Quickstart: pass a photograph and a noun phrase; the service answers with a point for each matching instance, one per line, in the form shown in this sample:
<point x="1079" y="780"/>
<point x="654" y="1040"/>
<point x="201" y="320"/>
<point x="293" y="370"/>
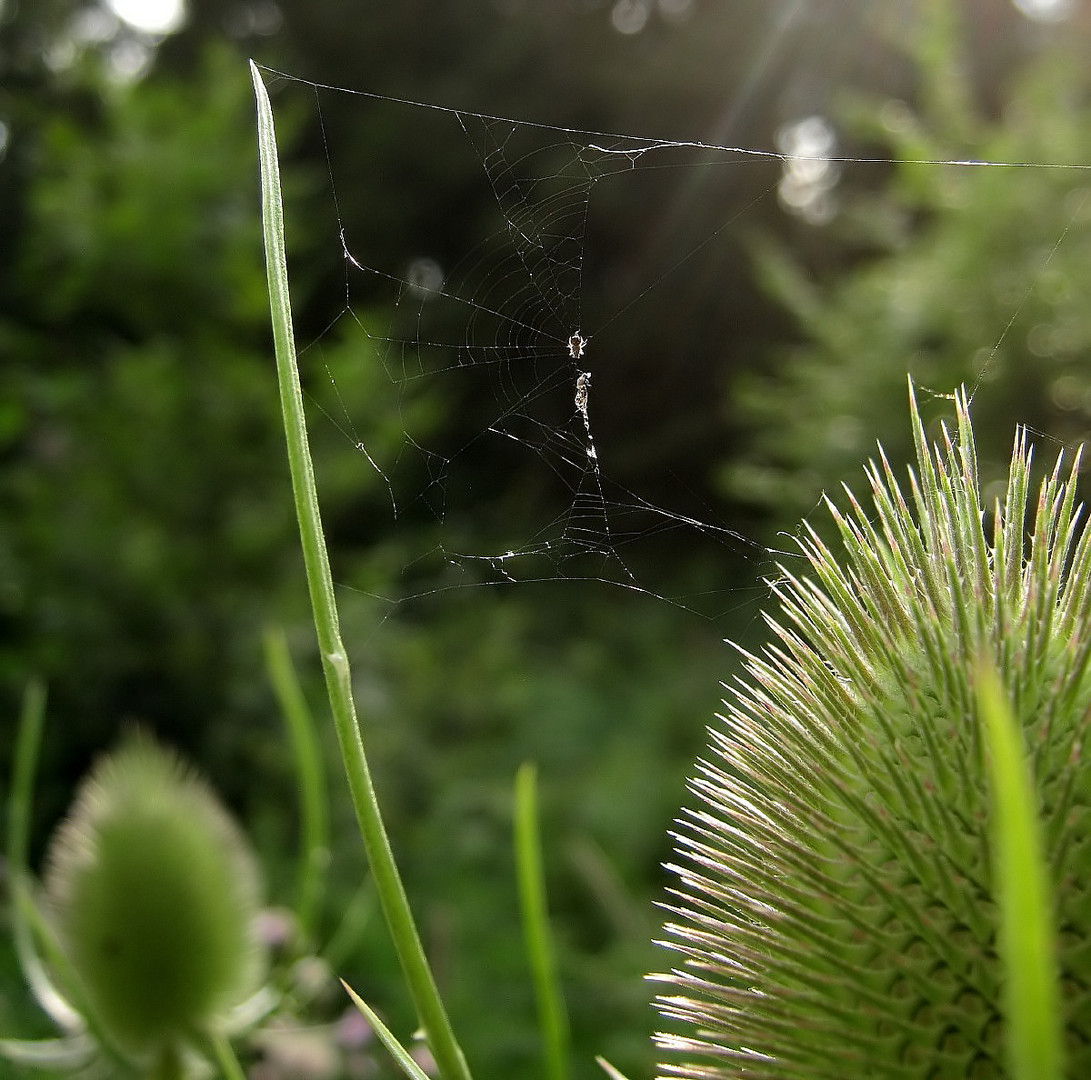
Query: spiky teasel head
<point x="154" y="896"/>
<point x="833" y="903"/>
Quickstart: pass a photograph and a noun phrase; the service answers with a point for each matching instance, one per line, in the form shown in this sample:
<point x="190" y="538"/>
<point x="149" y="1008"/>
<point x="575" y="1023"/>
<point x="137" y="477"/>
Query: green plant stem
<point x="314" y="814"/>
<point x="27" y="743"/>
<point x="224" y="1056"/>
<point x="350" y="930"/>
<point x="552" y="1018"/>
<point x="418" y="975"/>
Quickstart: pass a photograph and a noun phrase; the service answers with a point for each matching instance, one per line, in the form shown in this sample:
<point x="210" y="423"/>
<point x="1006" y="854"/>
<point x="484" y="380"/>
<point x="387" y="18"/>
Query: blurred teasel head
<point x="154" y="896"/>
<point x="834" y="910"/>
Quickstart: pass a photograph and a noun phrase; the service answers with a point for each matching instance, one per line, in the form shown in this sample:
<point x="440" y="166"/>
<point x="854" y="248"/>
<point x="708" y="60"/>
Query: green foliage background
<point x="147" y="533"/>
<point x="961" y="276"/>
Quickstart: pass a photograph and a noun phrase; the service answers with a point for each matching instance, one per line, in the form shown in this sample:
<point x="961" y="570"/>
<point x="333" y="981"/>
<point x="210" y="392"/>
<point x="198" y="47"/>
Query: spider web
<point x="512" y="335"/>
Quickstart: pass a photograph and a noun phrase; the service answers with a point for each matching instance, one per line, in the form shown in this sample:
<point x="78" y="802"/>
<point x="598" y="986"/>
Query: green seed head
<point x="154" y="893"/>
<point x="833" y="907"/>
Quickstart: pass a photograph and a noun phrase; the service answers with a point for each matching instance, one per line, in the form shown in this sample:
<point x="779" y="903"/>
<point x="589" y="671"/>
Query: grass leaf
<point x="552" y="1018"/>
<point x="335" y="663"/>
<point x="389" y="1040"/>
<point x="1021" y="883"/>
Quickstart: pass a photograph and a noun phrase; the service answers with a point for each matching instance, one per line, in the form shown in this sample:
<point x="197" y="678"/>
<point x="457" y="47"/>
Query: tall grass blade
<point x="1033" y="1028"/>
<point x="552" y="1017"/>
<point x="335" y="664"/>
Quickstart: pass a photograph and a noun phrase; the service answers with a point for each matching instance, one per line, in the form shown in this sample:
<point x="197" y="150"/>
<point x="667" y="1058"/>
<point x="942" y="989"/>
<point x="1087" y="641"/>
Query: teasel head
<point x="153" y="893"/>
<point x="834" y="910"/>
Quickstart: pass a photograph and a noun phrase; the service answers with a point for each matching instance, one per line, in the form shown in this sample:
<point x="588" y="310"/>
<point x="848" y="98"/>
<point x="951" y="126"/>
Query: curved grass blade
<point x="335" y="664"/>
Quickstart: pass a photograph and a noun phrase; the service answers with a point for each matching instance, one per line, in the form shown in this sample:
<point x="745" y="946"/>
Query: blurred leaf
<point x="1033" y="1014"/>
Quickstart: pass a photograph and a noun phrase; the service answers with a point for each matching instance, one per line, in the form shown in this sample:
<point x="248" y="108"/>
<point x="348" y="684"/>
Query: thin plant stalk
<point x="27" y="743"/>
<point x="314" y="813"/>
<point x="224" y="1056"/>
<point x="552" y="1018"/>
<point x="335" y="664"/>
<point x="24" y="915"/>
<point x="350" y="930"/>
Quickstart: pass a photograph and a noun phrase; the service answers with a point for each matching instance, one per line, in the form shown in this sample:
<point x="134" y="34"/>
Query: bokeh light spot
<point x="630" y="16"/>
<point x="1045" y="10"/>
<point x="150" y="16"/>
